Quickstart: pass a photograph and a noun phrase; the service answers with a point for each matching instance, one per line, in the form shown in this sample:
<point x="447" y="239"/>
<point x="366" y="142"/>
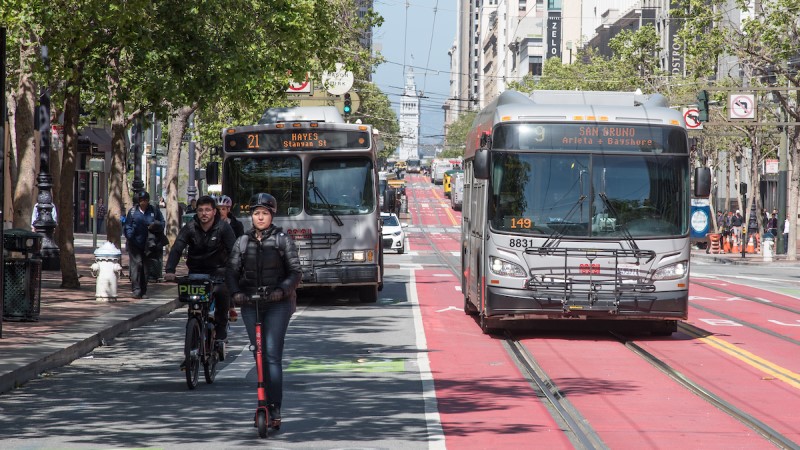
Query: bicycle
<point x="197" y="290"/>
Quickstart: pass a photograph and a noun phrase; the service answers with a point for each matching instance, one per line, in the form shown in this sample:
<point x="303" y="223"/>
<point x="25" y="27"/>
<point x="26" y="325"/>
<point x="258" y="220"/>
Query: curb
<point x="20" y="376"/>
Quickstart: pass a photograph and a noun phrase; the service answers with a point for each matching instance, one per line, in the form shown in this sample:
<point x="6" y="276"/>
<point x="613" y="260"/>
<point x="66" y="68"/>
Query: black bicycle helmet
<point x="263" y="200"/>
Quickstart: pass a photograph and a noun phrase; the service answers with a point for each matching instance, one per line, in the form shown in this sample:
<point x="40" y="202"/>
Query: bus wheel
<point x="484" y="322"/>
<point x="664" y="328"/>
<point x="469" y="308"/>
<point x="368" y="294"/>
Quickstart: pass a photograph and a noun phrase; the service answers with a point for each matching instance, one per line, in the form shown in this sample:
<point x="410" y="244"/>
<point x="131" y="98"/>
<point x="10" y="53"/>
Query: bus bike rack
<point x="603" y="286"/>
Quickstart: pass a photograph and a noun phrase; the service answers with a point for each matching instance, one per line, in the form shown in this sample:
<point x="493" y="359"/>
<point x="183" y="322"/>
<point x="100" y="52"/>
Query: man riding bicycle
<point x="210" y="241"/>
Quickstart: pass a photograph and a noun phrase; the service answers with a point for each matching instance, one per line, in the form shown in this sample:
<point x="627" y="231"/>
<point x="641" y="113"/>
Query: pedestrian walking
<point x="101" y="215"/>
<point x="736" y="224"/>
<point x="772" y="225"/>
<point x="264" y="268"/>
<point x="141" y="219"/>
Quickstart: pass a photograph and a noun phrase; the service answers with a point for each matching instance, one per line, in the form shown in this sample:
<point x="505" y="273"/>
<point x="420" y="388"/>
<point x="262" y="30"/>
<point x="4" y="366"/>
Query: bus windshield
<point x="339" y="185"/>
<point x="589" y="195"/>
<point x="276" y="175"/>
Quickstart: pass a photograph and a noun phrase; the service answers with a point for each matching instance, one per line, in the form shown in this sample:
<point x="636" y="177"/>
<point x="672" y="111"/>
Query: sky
<point x="418" y="35"/>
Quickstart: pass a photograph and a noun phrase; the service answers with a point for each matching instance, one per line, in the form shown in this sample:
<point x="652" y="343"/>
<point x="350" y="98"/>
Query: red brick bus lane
<point x="483" y="401"/>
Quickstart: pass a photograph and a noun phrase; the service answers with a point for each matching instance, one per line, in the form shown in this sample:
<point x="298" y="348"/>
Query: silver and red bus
<point x="576" y="206"/>
<point x="324" y="174"/>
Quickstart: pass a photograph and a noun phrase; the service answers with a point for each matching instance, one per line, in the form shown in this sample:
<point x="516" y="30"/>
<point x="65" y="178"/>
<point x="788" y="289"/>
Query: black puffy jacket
<point x="270" y="262"/>
<point x="208" y="250"/>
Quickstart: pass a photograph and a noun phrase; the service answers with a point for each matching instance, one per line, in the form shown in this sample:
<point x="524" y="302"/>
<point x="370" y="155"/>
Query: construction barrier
<point x="714" y="243"/>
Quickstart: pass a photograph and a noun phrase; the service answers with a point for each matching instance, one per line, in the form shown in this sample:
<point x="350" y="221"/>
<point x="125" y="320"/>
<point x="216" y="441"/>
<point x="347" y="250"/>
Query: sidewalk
<point x="749" y="258"/>
<point x="72" y="323"/>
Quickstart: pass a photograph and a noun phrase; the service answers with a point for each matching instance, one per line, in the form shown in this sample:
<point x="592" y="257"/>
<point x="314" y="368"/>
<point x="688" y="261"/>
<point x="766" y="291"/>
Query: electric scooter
<point x="262" y="419"/>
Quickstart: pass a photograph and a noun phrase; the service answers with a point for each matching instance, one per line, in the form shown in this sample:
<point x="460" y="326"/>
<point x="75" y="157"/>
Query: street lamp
<point x="44" y="222"/>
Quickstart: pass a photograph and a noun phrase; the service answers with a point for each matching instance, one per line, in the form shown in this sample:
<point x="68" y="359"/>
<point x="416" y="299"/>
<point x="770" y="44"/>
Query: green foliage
<point x="457" y="133"/>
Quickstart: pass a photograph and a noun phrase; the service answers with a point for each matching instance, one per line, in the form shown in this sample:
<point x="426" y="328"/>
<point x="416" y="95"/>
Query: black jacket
<point x="208" y="250"/>
<point x="271" y="262"/>
<point x="238" y="227"/>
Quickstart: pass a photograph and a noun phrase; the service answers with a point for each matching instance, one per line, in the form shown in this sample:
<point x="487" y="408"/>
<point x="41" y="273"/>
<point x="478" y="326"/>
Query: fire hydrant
<point x="767" y="246"/>
<point x="106" y="269"/>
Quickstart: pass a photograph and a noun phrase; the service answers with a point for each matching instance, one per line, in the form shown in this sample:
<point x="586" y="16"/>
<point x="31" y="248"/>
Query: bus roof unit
<point x="302" y="114"/>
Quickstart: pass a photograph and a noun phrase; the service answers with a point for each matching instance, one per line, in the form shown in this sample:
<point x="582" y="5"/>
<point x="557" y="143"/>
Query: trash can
<point x="22" y="275"/>
<point x="768" y="246"/>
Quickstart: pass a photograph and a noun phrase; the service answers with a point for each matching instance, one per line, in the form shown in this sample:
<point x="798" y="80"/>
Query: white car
<point x="394" y="237"/>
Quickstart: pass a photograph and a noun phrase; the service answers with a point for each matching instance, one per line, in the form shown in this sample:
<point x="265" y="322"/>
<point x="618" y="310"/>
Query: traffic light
<point x="348" y="105"/>
<point x="702" y="105"/>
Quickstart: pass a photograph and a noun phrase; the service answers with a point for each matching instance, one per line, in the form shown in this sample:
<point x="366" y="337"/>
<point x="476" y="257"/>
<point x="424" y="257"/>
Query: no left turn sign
<point x="742" y="106"/>
<point x="691" y="116"/>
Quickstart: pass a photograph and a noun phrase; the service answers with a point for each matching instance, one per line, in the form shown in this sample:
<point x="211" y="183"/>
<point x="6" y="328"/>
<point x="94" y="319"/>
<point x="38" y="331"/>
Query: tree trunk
<point x="177" y="127"/>
<point x="27" y="158"/>
<point x="116" y="184"/>
<point x="65" y="194"/>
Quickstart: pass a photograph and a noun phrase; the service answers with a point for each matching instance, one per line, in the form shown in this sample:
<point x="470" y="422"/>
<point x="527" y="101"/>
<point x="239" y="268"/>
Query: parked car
<point x="394" y="235"/>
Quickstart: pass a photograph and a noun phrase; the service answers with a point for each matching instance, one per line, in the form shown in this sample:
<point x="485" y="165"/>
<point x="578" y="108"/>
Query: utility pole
<point x="2" y="164"/>
<point x="44" y="222"/>
<point x="154" y="141"/>
<point x="191" y="189"/>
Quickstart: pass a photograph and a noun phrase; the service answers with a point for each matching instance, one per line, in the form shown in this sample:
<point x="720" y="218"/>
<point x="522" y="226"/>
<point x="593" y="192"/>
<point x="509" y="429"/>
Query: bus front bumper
<point x="362" y="274"/>
<point x="524" y="304"/>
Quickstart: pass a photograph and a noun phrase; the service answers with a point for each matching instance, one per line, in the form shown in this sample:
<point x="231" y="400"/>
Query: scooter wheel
<point x="261" y="423"/>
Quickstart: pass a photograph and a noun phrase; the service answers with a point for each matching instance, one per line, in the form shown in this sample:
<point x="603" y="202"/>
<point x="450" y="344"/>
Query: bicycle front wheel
<point x="210" y="358"/>
<point x="191" y="350"/>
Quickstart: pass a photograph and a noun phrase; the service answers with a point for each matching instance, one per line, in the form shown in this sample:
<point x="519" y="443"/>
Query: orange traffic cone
<point x="726" y="248"/>
<point x="750" y="247"/>
<point x="736" y="248"/>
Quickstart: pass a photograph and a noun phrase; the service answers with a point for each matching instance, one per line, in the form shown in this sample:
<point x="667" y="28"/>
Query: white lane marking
<point x="432" y="418"/>
<point x="449" y="308"/>
<point x="443" y="274"/>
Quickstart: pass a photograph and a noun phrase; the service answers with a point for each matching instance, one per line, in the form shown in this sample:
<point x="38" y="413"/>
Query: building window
<point x="523" y="5"/>
<point x="535" y="66"/>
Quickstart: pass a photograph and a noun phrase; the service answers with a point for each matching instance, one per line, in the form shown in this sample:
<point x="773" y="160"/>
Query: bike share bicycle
<point x="197" y="290"/>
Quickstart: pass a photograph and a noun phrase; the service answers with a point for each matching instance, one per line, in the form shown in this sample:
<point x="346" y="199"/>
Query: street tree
<point x="457" y="133"/>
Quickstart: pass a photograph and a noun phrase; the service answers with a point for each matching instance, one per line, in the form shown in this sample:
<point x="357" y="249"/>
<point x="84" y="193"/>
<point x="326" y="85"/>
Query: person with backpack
<point x="210" y="241"/>
<point x="264" y="267"/>
<point x="141" y="221"/>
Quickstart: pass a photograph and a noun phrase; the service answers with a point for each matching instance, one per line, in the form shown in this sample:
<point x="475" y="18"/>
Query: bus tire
<point x="368" y="294"/>
<point x="469" y="308"/>
<point x="664" y="328"/>
<point x="486" y="328"/>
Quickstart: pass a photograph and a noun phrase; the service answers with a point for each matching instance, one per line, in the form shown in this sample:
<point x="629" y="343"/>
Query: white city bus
<point x="576" y="206"/>
<point x="324" y="174"/>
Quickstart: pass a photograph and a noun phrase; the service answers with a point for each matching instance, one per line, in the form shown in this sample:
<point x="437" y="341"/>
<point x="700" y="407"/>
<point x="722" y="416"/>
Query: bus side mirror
<point x="480" y="165"/>
<point x="702" y="182"/>
<point x="212" y="173"/>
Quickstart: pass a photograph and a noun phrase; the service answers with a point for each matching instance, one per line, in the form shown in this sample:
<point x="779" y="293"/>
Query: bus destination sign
<point x="276" y="140"/>
<point x="590" y="137"/>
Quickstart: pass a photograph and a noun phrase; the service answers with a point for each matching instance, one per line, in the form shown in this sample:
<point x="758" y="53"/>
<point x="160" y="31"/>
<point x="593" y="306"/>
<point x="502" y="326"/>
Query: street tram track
<point x="562" y="411"/>
<point x="744" y="418"/>
<point x="571" y="420"/>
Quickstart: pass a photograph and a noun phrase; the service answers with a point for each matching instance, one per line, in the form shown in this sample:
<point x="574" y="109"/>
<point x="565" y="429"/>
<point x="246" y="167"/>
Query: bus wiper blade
<point x="327" y="204"/>
<point x="558" y="231"/>
<point x="622" y="227"/>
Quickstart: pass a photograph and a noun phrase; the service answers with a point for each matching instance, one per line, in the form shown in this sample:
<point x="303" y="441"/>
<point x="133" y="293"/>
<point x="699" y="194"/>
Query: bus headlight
<point x="672" y="271"/>
<point x="506" y="268"/>
<point x="356" y="255"/>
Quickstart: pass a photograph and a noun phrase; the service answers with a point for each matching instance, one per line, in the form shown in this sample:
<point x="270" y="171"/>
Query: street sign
<point x="300" y="88"/>
<point x="691" y="116"/>
<point x="742" y="106"/>
<point x="339" y="82"/>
